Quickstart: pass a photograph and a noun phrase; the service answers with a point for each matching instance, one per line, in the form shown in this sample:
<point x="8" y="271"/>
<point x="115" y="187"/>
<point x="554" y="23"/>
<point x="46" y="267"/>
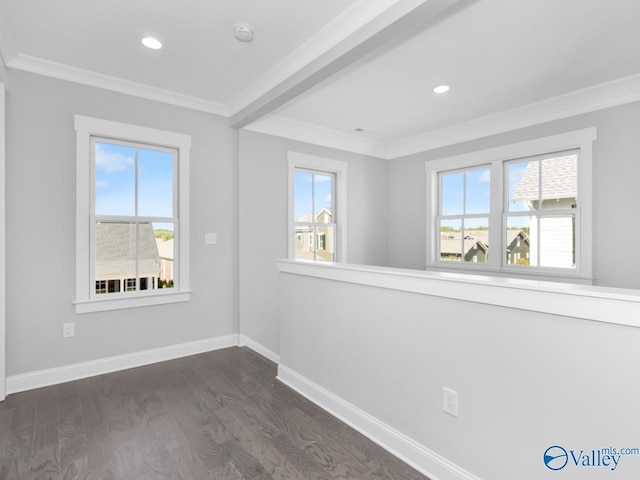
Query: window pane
<point x="304" y="242"/>
<point x="325" y="243"/>
<point x="520" y="247"/>
<point x="524" y="185"/>
<point x="451" y="192"/>
<point x="322" y="198"/>
<point x="559" y="180"/>
<point x="155" y="183"/>
<point x="302" y="197"/>
<point x="115" y="179"/>
<point x="148" y="257"/>
<point x="116" y="248"/>
<point x="451" y="240"/>
<point x="557" y="241"/>
<point x="115" y="252"/>
<point x="478" y="198"/>
<point x="164" y="235"/>
<point x="476" y="240"/>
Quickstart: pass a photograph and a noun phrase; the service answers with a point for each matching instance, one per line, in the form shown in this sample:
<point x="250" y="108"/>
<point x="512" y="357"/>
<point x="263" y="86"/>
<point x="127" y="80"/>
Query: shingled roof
<point x="116" y="250"/>
<point x="451" y="246"/>
<point x="559" y="179"/>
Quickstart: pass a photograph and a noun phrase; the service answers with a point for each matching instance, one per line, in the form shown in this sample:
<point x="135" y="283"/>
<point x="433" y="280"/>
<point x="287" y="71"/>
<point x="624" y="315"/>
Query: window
<point x="317" y="208"/>
<point x="522" y="209"/>
<point x="322" y="238"/>
<point x="131" y="214"/>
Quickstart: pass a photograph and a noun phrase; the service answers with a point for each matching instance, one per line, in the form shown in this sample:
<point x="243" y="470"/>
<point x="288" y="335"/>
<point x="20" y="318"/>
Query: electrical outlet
<point x="450" y="401"/>
<point x="68" y="329"/>
<point x="210" y="238"/>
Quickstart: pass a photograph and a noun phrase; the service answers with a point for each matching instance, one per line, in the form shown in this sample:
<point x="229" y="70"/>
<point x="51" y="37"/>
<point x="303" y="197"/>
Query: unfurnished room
<point x="337" y="239"/>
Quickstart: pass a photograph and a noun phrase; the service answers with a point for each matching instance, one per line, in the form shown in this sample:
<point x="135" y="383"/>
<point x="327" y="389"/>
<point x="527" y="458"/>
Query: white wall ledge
<point x="602" y="304"/>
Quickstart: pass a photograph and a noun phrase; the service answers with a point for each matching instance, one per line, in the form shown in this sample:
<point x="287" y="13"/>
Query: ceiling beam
<point x="357" y="32"/>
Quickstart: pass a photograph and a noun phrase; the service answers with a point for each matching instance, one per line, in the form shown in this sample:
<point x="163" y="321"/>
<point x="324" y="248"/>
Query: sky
<point x="472" y="195"/>
<point x="115" y="182"/>
<point x="311" y="193"/>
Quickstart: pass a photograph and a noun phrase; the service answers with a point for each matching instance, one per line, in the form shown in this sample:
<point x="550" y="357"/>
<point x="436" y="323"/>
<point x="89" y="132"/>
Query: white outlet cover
<point x="210" y="238"/>
<point x="68" y="329"/>
<point x="450" y="401"/>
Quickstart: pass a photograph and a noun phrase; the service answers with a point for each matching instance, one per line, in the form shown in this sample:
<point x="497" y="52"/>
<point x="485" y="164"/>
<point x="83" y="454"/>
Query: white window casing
<point x="86" y="129"/>
<point x="321" y="165"/>
<point x="496" y="158"/>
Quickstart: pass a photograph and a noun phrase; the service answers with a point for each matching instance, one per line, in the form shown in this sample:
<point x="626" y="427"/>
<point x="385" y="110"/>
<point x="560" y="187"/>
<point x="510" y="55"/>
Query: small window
<point x="317" y="210"/>
<point x="132" y="215"/>
<point x="322" y="238"/>
<point x="101" y="286"/>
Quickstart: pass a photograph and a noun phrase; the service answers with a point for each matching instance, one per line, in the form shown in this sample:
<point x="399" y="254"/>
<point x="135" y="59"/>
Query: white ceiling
<point x="318" y="70"/>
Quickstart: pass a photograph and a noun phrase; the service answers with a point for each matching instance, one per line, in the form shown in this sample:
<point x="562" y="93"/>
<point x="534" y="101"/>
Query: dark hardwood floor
<point x="219" y="415"/>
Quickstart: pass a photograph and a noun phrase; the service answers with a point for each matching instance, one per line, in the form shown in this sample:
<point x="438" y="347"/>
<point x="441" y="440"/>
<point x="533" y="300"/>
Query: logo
<point x="555" y="458"/>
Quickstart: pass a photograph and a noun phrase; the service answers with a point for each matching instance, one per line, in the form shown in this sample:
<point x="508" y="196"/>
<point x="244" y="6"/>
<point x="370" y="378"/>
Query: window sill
<point x="119" y="303"/>
<point x="603" y="304"/>
<point x="540" y="274"/>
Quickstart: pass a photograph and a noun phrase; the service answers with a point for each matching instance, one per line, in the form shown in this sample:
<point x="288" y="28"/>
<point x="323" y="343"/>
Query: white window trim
<point x="495" y="157"/>
<point x="339" y="169"/>
<point x="86" y="127"/>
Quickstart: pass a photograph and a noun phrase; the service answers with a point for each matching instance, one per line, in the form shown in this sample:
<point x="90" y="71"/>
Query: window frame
<point x="88" y="128"/>
<point x="338" y="169"/>
<point x="581" y="140"/>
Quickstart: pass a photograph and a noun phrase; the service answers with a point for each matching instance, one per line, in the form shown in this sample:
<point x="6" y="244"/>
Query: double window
<point x="132" y="215"/>
<point x="317" y="208"/>
<point x="521" y="209"/>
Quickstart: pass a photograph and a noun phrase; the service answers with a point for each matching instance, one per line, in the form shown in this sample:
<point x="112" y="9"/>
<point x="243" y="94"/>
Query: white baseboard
<point x="418" y="456"/>
<point x="67" y="373"/>
<point x="244" y="341"/>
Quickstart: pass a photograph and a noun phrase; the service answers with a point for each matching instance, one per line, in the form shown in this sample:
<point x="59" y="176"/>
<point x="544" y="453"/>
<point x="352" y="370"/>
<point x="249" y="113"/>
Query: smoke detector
<point x="243" y="32"/>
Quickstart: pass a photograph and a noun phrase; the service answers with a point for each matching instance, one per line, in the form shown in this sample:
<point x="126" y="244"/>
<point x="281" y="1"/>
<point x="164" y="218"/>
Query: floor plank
<point x="221" y="415"/>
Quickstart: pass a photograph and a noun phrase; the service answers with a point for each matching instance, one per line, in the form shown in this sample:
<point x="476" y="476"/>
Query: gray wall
<point x="41" y="228"/>
<point x="263" y="223"/>
<point x="616" y="171"/>
<point x="525" y="380"/>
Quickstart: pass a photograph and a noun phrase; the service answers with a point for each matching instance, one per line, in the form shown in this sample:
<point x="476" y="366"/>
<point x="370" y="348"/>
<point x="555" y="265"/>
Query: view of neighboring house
<point x="165" y="251"/>
<point x="318" y="237"/>
<point x="475" y="246"/>
<point x="518" y="246"/>
<point x="552" y="188"/>
<point x="116" y="257"/>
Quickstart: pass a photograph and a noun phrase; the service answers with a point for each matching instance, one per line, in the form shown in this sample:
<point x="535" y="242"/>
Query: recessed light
<point x="152" y="43"/>
<point x="441" y="89"/>
<point x="243" y="32"/>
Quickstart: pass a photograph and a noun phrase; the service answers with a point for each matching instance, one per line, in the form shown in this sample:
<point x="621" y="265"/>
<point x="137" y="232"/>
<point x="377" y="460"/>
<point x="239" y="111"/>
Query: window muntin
<point x="135" y="210"/>
<point x="558" y="215"/>
<point x="314" y="213"/>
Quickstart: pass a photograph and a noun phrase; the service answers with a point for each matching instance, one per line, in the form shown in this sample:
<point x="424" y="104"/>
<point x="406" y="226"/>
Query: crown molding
<point x="610" y="94"/>
<point x="305" y="132"/>
<point x="86" y="77"/>
<point x="605" y="95"/>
